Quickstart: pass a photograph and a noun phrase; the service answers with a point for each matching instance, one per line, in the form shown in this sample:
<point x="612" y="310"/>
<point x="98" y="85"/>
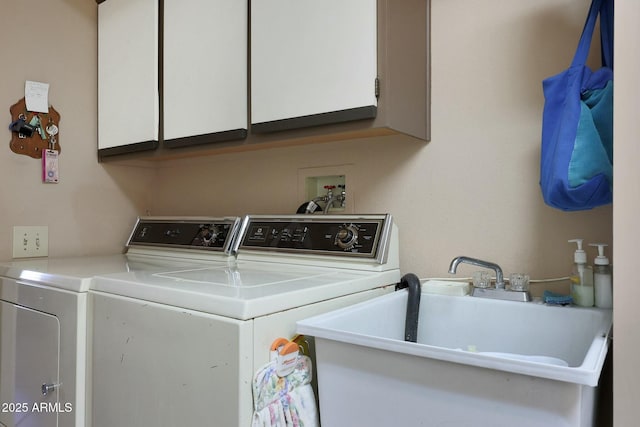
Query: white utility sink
<point x="477" y="361"/>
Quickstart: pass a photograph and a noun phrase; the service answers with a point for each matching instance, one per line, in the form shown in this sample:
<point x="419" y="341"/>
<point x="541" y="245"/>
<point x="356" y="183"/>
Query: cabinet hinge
<point x="377" y="87"/>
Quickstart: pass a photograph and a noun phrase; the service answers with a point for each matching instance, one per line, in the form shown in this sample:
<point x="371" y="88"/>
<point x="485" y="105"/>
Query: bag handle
<point x="606" y="33"/>
<point x="580" y="57"/>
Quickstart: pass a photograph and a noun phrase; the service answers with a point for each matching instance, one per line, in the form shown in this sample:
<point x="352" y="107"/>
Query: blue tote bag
<point x="576" y="165"/>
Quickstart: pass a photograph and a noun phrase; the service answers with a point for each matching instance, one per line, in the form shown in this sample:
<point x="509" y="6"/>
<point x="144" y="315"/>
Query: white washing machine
<point x="44" y="312"/>
<point x="180" y="347"/>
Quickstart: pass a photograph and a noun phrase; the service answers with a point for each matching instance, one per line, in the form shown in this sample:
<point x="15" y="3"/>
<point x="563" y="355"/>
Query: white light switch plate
<point x="30" y="241"/>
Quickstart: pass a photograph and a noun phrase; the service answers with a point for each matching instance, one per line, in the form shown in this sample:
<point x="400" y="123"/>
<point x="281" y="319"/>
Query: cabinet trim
<point x="332" y="117"/>
<point x="129" y="148"/>
<point x="209" y="138"/>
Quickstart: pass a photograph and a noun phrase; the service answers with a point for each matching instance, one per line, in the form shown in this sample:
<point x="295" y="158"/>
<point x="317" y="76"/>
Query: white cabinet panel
<point x="128" y="99"/>
<point x="205" y="70"/>
<point x="312" y="58"/>
<point x="29" y="358"/>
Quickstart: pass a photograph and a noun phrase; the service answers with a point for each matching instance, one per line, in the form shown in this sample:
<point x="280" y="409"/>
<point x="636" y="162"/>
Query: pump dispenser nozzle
<point x="581" y="277"/>
<point x="600" y="259"/>
<point x="602" y="279"/>
<point x="579" y="256"/>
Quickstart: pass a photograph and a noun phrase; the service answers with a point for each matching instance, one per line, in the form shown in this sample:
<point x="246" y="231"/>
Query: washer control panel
<point x="341" y="235"/>
<point x="194" y="233"/>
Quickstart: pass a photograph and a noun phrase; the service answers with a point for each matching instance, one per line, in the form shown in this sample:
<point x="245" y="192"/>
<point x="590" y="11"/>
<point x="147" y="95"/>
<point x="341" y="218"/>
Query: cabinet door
<point x="205" y="71"/>
<point x="29" y="358"/>
<point x="312" y="62"/>
<point x="128" y="99"/>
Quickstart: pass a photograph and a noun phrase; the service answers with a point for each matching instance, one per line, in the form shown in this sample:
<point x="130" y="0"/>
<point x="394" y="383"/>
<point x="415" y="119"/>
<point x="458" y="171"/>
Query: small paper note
<point x="36" y="96"/>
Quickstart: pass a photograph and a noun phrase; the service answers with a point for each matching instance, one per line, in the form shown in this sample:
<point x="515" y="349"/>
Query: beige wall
<point x="473" y="189"/>
<point x="93" y="206"/>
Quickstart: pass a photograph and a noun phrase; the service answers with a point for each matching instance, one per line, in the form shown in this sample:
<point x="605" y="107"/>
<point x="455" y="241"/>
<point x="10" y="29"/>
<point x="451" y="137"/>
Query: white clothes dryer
<point x="44" y="311"/>
<point x="180" y="347"/>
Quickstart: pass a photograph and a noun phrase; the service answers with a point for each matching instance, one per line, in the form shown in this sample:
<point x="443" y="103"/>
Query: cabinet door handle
<point x="48" y="388"/>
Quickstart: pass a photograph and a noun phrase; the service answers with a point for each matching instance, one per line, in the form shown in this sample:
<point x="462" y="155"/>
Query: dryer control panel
<point x="213" y="234"/>
<point x="337" y="235"/>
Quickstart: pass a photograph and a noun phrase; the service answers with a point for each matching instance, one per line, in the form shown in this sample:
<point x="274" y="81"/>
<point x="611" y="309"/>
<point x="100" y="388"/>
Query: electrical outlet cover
<point x="30" y="241"/>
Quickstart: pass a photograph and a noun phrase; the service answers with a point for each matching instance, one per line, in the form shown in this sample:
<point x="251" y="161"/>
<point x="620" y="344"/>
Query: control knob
<point x="208" y="235"/>
<point x="347" y="236"/>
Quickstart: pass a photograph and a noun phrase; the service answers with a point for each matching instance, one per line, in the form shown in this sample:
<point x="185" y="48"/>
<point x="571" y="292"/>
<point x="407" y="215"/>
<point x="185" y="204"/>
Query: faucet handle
<point x="481" y="279"/>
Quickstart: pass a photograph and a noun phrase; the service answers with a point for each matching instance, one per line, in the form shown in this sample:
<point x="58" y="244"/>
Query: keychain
<point x="37" y="124"/>
<point x="21" y="127"/>
<point x="50" y="166"/>
<point x="50" y="156"/>
<point x="52" y="131"/>
<point x="27" y="125"/>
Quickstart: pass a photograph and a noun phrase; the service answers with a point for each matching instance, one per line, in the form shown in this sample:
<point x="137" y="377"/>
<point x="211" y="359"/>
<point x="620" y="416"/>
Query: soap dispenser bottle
<point x="602" y="278"/>
<point x="581" y="278"/>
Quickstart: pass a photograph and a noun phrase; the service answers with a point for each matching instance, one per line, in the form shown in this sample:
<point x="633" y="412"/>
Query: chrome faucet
<point x="480" y="263"/>
<point x="499" y="292"/>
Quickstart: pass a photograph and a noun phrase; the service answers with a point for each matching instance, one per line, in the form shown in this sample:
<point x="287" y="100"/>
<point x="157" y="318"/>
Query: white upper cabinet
<point x="312" y="62"/>
<point x="190" y="58"/>
<point x="128" y="99"/>
<point x="267" y="73"/>
<point x="205" y="71"/>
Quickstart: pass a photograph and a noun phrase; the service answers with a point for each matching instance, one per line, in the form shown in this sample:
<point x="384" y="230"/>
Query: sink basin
<point x="476" y="362"/>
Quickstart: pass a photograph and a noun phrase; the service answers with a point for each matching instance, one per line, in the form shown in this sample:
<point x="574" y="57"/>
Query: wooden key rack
<point x="32" y="146"/>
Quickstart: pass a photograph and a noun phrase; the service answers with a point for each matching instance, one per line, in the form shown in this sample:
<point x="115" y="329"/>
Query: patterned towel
<point x="284" y="401"/>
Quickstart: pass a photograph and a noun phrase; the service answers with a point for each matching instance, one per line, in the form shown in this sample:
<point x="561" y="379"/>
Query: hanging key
<point x="24" y="129"/>
<point x="52" y="131"/>
<point x="35" y="122"/>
